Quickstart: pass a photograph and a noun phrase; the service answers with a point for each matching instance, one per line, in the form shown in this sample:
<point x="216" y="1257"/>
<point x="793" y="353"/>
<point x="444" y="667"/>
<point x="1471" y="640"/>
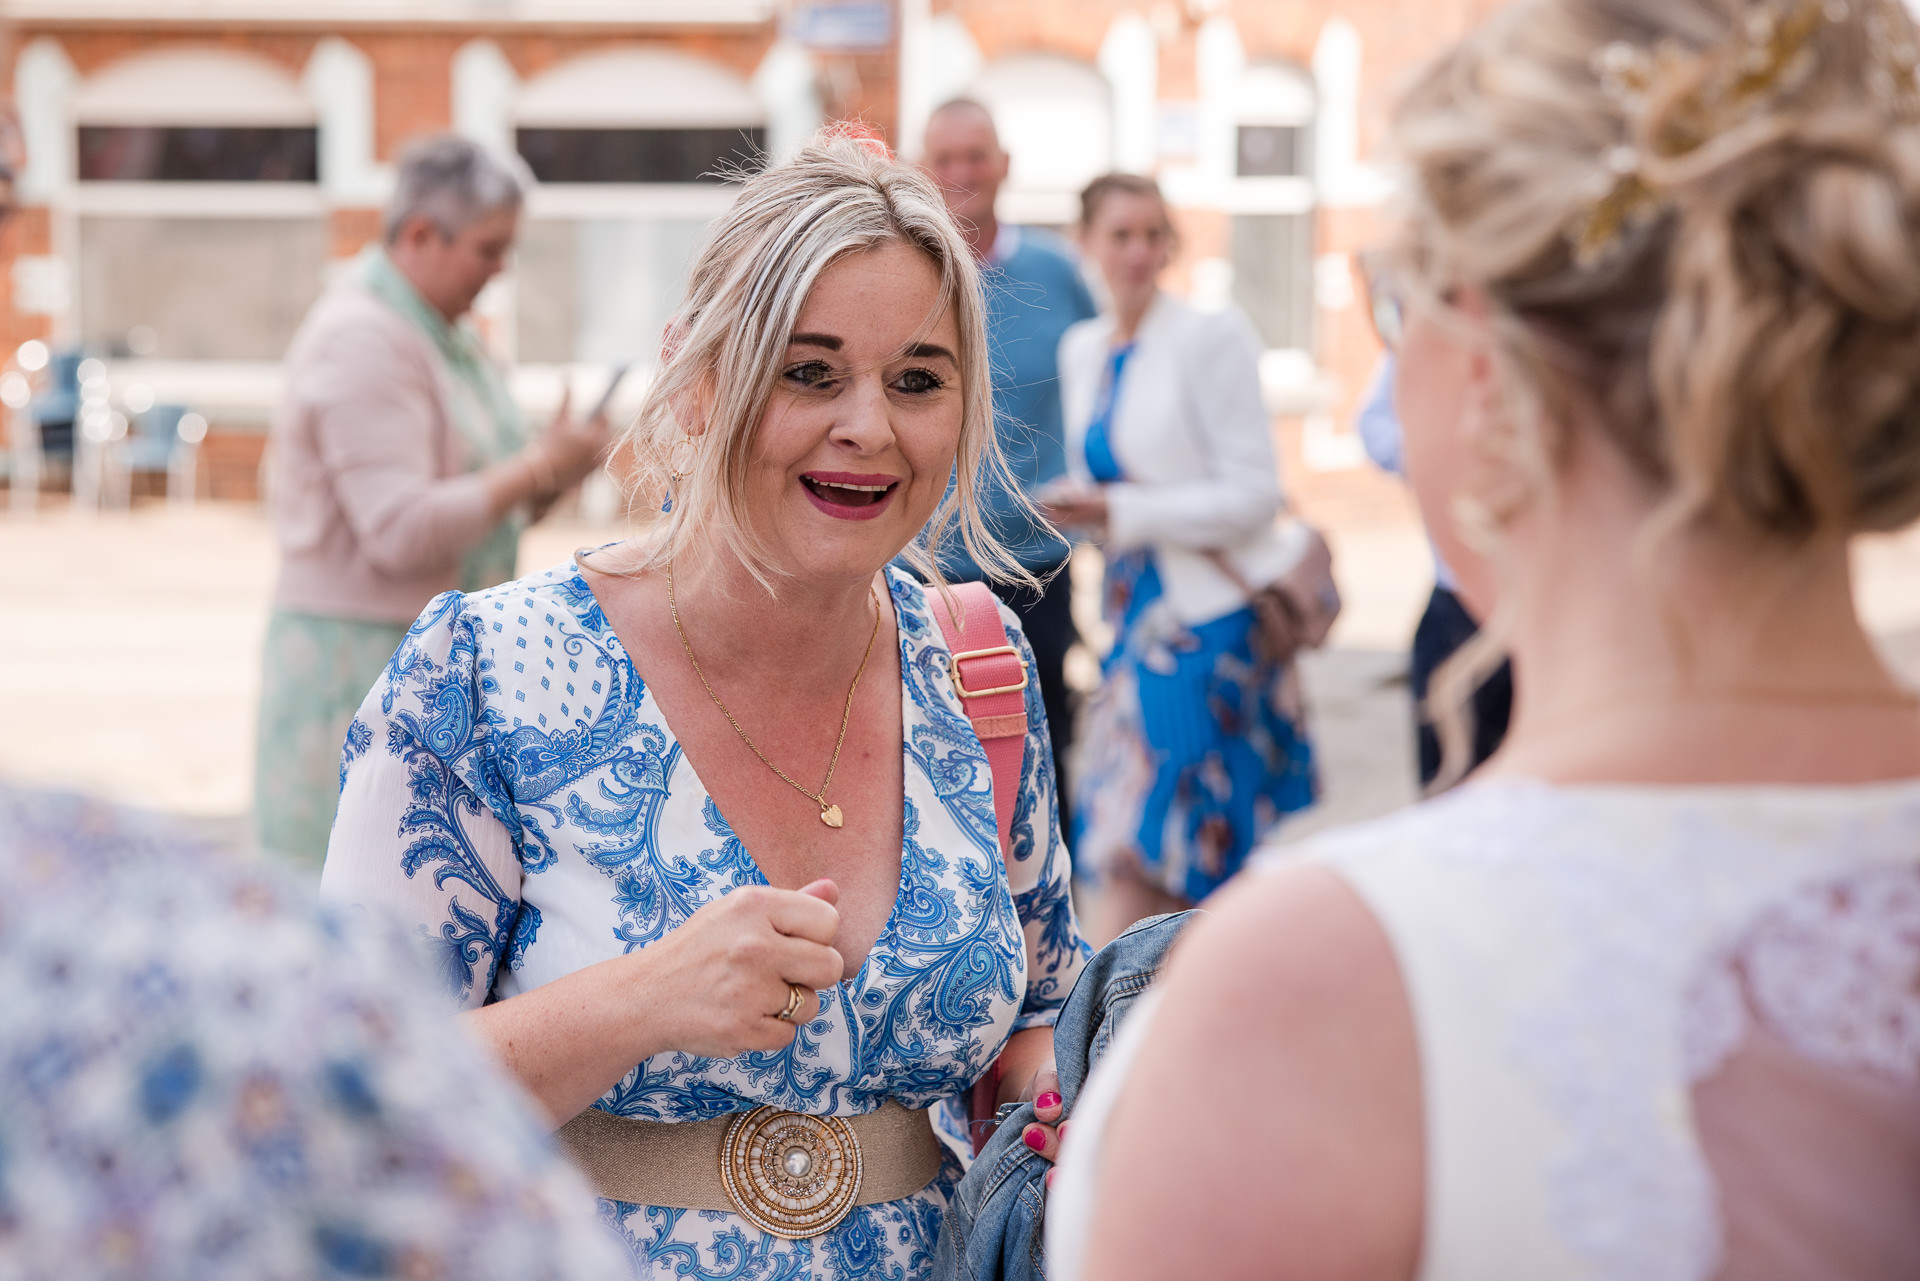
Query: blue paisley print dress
<point x="511" y="790"/>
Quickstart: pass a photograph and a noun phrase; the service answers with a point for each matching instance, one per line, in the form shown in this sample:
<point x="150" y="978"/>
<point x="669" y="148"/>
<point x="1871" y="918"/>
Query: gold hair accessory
<point x="829" y="812"/>
<point x="1771" y="54"/>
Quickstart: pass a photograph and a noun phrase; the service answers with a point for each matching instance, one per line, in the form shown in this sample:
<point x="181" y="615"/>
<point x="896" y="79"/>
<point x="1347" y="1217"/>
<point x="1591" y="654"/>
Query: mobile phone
<point x="613" y="384"/>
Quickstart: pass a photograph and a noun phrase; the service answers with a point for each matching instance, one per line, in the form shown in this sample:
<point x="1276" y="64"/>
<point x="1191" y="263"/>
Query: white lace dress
<point x="1666" y="1033"/>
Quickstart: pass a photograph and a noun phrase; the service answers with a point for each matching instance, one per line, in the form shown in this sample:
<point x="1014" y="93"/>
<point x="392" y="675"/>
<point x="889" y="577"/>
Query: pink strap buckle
<point x="998" y="713"/>
<point x="959" y="682"/>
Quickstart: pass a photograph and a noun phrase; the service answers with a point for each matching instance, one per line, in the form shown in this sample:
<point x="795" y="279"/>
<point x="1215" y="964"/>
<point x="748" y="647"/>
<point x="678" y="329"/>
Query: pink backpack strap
<point x="990" y="678"/>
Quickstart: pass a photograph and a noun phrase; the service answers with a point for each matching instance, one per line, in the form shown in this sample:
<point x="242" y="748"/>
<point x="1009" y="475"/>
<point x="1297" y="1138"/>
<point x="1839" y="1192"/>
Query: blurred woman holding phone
<point x="401" y="468"/>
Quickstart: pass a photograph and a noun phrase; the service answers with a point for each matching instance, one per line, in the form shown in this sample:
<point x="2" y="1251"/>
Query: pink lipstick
<point x="849" y="495"/>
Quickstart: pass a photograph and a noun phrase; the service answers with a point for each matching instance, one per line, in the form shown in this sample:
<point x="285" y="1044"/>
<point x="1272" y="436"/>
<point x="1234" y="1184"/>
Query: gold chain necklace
<point x="829" y="812"/>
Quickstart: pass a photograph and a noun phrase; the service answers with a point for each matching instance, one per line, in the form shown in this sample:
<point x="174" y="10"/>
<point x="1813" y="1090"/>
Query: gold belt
<point x="788" y="1173"/>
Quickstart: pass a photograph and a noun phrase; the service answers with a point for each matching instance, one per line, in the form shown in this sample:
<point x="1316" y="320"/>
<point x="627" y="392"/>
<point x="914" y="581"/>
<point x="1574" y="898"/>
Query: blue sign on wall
<point x="841" y="24"/>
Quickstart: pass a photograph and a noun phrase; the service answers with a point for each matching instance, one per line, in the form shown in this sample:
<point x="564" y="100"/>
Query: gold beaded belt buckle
<point x="787" y="1173"/>
<point x="791" y="1174"/>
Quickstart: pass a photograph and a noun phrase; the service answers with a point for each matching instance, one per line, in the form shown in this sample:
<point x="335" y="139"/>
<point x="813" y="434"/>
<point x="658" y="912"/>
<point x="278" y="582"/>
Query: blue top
<point x="1101" y="463"/>
<point x="1034" y="293"/>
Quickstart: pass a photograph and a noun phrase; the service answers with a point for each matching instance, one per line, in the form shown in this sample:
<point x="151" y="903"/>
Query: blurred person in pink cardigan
<point x="402" y="469"/>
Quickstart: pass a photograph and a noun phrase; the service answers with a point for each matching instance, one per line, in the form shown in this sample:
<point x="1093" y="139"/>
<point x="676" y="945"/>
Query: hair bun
<point x="1784" y="360"/>
<point x="1750" y="330"/>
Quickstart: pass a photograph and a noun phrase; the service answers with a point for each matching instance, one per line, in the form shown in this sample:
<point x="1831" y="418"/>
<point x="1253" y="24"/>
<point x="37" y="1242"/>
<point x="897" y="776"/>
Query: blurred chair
<point x="57" y="407"/>
<point x="166" y="438"/>
<point x="42" y="395"/>
<point x="23" y="453"/>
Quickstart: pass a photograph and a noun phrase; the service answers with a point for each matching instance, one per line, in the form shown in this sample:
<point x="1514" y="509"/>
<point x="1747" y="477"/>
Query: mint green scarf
<point x="483" y="409"/>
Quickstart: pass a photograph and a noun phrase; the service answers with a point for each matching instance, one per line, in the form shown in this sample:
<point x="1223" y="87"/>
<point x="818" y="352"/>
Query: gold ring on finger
<point x="795" y="994"/>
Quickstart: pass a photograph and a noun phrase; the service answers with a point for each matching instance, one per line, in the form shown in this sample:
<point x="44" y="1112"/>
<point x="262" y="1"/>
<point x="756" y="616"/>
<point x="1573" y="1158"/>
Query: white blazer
<point x="1194" y="440"/>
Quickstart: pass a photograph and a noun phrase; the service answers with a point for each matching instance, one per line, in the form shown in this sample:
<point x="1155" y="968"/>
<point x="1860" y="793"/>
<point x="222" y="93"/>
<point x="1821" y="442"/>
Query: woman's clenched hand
<point x="712" y="987"/>
<point x="716" y="985"/>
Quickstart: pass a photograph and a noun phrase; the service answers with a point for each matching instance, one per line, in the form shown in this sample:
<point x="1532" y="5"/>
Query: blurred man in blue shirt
<point x="1034" y="292"/>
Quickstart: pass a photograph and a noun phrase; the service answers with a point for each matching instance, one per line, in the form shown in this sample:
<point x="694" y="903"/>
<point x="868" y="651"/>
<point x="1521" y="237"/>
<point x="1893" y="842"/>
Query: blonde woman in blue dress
<point x="699" y="824"/>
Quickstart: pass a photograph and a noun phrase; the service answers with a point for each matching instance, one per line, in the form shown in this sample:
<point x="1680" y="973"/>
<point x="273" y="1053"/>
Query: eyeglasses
<point x="1386" y="300"/>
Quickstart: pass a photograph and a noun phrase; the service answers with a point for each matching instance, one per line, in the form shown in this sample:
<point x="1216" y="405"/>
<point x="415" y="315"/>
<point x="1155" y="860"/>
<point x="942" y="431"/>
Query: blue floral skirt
<point x="1191" y="751"/>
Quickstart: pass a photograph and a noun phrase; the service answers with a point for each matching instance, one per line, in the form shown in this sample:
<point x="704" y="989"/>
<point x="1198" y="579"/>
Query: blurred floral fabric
<point x="206" y="1077"/>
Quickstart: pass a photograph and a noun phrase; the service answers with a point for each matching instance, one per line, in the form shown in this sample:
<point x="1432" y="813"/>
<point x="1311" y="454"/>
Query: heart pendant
<point x="830" y="815"/>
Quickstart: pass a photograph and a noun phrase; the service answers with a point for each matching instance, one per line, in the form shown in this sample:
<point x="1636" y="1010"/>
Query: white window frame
<point x="197" y="200"/>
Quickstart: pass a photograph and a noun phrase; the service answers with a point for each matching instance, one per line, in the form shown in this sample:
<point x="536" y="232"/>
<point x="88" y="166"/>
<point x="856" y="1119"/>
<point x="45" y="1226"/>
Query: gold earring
<point x="674" y="471"/>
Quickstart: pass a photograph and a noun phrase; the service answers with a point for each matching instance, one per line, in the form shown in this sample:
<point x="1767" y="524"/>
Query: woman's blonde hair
<point x="842" y="194"/>
<point x="1698" y="221"/>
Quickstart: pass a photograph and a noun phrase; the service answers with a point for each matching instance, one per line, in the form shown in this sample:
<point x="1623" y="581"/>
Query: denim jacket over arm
<point x="994" y="1225"/>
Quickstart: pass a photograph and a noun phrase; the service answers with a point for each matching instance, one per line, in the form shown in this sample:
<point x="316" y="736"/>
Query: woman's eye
<point x="919" y="381"/>
<point x="814" y="373"/>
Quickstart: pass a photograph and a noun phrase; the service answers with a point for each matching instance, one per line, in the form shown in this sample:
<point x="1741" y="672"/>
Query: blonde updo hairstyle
<point x="1748" y="335"/>
<point x="726" y="346"/>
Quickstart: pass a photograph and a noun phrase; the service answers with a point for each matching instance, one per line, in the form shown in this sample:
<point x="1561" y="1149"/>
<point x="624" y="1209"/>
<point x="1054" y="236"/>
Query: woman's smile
<point x="849" y="495"/>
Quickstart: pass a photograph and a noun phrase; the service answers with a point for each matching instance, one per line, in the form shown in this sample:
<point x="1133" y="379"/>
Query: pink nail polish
<point x="1048" y="1100"/>
<point x="1035" y="1138"/>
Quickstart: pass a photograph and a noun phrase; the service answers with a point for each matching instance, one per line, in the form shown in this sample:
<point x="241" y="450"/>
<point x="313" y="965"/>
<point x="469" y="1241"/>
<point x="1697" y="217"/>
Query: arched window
<point x="197" y="215"/>
<point x="630" y="146"/>
<point x="195" y="115"/>
<point x="1055" y="118"/>
<point x="638" y="116"/>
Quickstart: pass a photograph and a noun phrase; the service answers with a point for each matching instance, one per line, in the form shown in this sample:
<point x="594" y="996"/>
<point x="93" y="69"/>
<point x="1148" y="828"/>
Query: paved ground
<point x="129" y="653"/>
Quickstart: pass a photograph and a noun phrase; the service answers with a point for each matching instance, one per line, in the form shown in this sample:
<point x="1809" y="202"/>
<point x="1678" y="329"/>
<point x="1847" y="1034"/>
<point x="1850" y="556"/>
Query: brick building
<point x="195" y="168"/>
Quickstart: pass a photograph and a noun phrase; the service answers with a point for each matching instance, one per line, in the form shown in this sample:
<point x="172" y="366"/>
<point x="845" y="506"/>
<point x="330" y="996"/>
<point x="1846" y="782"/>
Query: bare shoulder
<point x="1272" y="1126"/>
